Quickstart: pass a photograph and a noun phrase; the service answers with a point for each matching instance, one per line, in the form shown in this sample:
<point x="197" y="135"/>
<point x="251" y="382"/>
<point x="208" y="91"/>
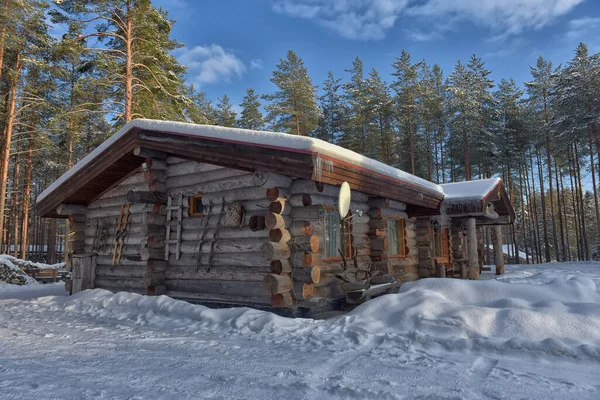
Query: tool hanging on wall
<point x="122" y="225"/>
<point x="178" y="208"/>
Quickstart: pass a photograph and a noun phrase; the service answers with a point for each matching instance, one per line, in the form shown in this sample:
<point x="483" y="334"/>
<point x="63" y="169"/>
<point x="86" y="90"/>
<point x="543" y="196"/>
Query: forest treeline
<point x="60" y="97"/>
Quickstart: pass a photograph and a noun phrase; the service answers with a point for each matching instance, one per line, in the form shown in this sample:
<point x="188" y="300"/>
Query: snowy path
<point x="51" y="348"/>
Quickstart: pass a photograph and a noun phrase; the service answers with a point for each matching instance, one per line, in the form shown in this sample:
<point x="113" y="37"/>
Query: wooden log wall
<point x="404" y="269"/>
<point x="140" y="268"/>
<point x="299" y="274"/>
<point x="424" y="240"/>
<point x="458" y="249"/>
<point x="221" y="264"/>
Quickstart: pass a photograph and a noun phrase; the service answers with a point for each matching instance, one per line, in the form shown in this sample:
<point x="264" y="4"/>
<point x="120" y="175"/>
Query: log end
<point x="282" y="300"/>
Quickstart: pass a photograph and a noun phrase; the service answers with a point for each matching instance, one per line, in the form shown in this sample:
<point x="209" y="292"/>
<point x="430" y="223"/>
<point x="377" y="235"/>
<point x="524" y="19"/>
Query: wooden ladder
<point x="178" y="208"/>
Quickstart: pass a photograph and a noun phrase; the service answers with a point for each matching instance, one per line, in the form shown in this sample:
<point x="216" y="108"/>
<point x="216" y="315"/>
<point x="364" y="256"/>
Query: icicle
<point x="321" y="165"/>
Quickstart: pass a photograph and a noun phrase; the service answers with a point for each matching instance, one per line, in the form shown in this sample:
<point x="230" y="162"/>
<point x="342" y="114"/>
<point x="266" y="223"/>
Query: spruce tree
<point x="407" y="90"/>
<point x="331" y="120"/>
<point x="251" y="117"/>
<point x="382" y="136"/>
<point x="225" y="114"/>
<point x="200" y="110"/>
<point x="359" y="109"/>
<point x="293" y="107"/>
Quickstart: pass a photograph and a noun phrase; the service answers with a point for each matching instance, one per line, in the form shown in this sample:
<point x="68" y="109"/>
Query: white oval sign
<point x="344" y="200"/>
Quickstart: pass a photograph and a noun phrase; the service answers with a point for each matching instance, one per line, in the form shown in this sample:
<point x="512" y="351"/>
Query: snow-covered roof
<point x="469" y="191"/>
<point x="271" y="140"/>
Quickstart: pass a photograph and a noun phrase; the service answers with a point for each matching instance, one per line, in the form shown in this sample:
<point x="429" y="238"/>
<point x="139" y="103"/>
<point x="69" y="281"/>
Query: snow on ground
<point x="533" y="333"/>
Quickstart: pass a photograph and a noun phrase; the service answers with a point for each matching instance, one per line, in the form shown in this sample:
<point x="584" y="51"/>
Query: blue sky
<point x="231" y="45"/>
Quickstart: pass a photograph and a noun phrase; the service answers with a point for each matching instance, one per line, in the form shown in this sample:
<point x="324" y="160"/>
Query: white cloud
<point x="421" y="36"/>
<point x="257" y="63"/>
<point x="578" y="28"/>
<point x="210" y="64"/>
<point x="371" y="19"/>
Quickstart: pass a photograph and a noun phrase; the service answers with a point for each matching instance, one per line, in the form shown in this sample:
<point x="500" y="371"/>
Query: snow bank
<point x="261" y="138"/>
<point x="561" y="317"/>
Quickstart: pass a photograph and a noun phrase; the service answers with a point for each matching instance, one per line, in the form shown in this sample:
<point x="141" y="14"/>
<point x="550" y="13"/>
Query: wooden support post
<point x="498" y="249"/>
<point x="472" y="246"/>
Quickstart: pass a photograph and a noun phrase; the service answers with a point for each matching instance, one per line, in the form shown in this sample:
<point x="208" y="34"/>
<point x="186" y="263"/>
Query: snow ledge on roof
<point x="468" y="191"/>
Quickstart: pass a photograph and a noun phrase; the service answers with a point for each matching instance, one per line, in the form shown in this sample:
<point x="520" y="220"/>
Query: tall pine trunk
<point x="543" y="200"/>
<point x="586" y="251"/>
<point x="128" y="64"/>
<point x="562" y="255"/>
<point x="15" y="199"/>
<point x="26" y="194"/>
<point x="7" y="144"/>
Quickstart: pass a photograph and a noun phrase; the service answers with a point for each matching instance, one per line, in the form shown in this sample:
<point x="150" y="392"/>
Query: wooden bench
<point x="43" y="274"/>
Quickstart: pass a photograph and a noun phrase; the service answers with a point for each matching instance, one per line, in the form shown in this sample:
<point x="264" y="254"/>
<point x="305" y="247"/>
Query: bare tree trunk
<point x="567" y="236"/>
<point x="15" y="199"/>
<point x="128" y="64"/>
<point x="442" y="157"/>
<point x="595" y="190"/>
<point x="523" y="213"/>
<point x="544" y="210"/>
<point x="26" y="193"/>
<point x="7" y="143"/>
<point x="467" y="157"/>
<point x="535" y="210"/>
<point x="586" y="251"/>
<point x="560" y="256"/>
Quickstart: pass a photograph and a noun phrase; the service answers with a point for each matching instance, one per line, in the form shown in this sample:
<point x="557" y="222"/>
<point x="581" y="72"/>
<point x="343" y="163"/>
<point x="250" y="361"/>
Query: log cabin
<point x="239" y="217"/>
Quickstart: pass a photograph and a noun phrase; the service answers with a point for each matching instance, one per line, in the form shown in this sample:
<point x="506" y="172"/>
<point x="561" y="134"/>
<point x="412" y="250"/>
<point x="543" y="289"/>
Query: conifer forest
<point x="60" y="97"/>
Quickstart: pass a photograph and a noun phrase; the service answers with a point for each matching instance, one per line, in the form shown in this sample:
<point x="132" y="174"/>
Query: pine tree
<point x="382" y="134"/>
<point x="200" y="110"/>
<point x="359" y="110"/>
<point x="225" y="114"/>
<point x="407" y="92"/>
<point x="293" y="108"/>
<point x="251" y="117"/>
<point x="331" y="120"/>
<point x="134" y="54"/>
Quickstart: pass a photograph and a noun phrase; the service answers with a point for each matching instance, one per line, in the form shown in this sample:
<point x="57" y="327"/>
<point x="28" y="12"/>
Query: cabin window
<point x="196" y="208"/>
<point x="397" y="237"/>
<point x="441" y="244"/>
<point x="338" y="236"/>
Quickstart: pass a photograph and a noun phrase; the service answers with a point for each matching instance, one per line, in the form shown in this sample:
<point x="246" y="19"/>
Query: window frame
<point x="402" y="246"/>
<point x="193" y="206"/>
<point x="346" y="226"/>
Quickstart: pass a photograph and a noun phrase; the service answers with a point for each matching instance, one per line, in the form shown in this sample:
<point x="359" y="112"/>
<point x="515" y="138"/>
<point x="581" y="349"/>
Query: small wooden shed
<point x="233" y="216"/>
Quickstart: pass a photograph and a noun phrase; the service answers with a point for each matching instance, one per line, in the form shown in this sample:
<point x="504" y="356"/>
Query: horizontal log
<point x="134" y="196"/>
<point x="75" y="218"/>
<point x="234" y="288"/>
<point x="70" y="209"/>
<point x="195" y="178"/>
<point x="300" y="258"/>
<point x="119" y="271"/>
<point x="248" y="245"/>
<point x="276" y="221"/>
<point x="280" y="206"/>
<point x="222" y="233"/>
<point x="276" y="284"/>
<point x="280" y="267"/>
<point x="307" y="274"/>
<point x="311" y="243"/>
<point x="227" y="273"/>
<point x="116" y="211"/>
<point x="279" y="235"/>
<point x="302" y="291"/>
<point x="189" y="167"/>
<point x="386" y="212"/>
<point x="235" y="259"/>
<point x="282" y="300"/>
<point x="109" y="202"/>
<point x="231" y="299"/>
<point x="120" y="284"/>
<point x="300" y="228"/>
<point x="276" y="192"/>
<point x="317" y="199"/>
<point x="307" y="213"/>
<point x="353" y="286"/>
<point x="233" y="195"/>
<point x="155" y="164"/>
<point x="122" y="189"/>
<point x="303" y="186"/>
<point x="155" y="175"/>
<point x="275" y="251"/>
<point x="256" y="223"/>
<point x="149" y="153"/>
<point x="379" y="202"/>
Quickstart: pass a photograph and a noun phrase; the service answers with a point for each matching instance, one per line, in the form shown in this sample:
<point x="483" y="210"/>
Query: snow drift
<point x="561" y="317"/>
